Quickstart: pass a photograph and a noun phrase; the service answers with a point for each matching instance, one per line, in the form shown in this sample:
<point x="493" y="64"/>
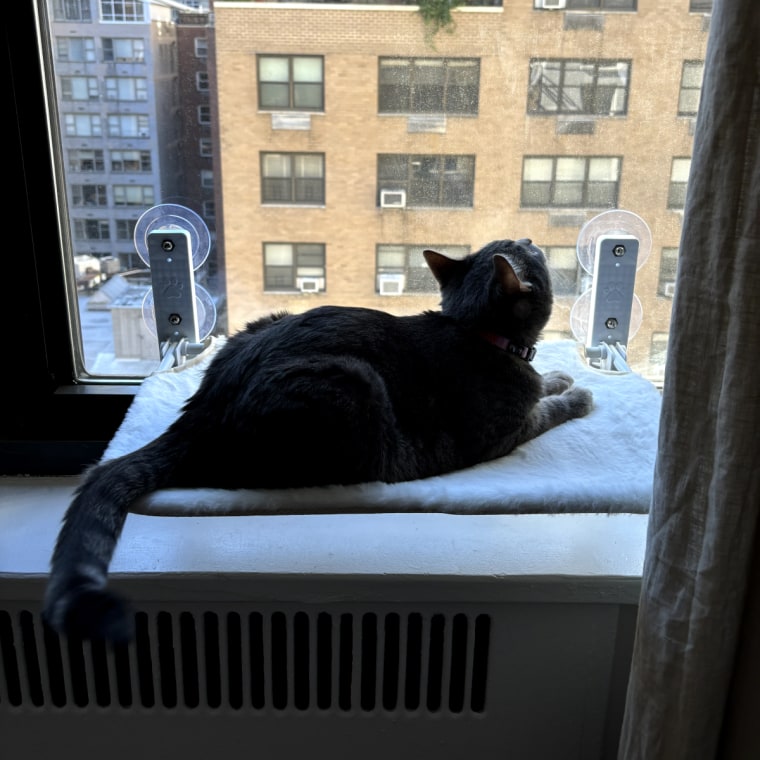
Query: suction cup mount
<point x="611" y="247"/>
<point x="174" y="242"/>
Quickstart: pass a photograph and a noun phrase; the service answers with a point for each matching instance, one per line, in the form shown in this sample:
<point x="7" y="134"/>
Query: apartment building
<point x="350" y="138"/>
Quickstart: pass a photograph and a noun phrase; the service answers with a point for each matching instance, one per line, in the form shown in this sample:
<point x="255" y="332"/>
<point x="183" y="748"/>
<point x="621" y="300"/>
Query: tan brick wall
<point x="351" y="134"/>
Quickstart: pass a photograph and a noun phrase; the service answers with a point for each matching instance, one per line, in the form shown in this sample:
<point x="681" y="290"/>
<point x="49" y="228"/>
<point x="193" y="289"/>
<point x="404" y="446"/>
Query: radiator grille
<point x="290" y="660"/>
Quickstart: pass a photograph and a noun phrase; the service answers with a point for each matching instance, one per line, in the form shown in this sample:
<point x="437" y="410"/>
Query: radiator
<point x="464" y="673"/>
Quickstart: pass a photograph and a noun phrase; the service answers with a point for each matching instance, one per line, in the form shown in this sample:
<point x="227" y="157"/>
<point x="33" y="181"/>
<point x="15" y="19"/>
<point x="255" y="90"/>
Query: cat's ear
<point x="440" y="265"/>
<point x="507" y="278"/>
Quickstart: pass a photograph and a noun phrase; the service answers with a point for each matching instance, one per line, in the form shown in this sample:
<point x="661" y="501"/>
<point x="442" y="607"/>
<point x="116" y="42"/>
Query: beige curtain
<point x="694" y="690"/>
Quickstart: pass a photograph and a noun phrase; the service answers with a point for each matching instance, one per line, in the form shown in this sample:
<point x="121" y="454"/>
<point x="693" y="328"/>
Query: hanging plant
<point x="436" y="15"/>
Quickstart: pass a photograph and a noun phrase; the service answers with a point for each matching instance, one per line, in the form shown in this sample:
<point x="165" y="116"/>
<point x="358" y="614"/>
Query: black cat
<point x="335" y="395"/>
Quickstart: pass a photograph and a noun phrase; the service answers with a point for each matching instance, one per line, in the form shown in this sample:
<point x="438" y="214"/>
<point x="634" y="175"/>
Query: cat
<point x="335" y="395"/>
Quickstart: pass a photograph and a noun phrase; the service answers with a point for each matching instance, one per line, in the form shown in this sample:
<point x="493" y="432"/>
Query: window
<point x="666" y="284"/>
<point x="201" y="81"/>
<point x="200" y="45"/>
<point x="563" y="86"/>
<point x="128" y="125"/>
<point x="294" y="266"/>
<point x="570" y="182"/>
<point x="131" y="161"/>
<point x="125" y="229"/>
<point x="82" y="125"/>
<point x="79" y="88"/>
<point x="429" y="85"/>
<point x="691" y="88"/>
<point x="293" y="178"/>
<point x="75" y="49"/>
<point x="209" y="209"/>
<point x="565" y="271"/>
<point x="71" y="10"/>
<point x="133" y="195"/>
<point x="204" y="114"/>
<point x="679" y="178"/>
<point x="84" y="160"/>
<point x="446" y="181"/>
<point x="91" y="229"/>
<point x="402" y="268"/>
<point x="123" y="10"/>
<point x="700" y="6"/>
<point x="123" y="50"/>
<point x="601" y="5"/>
<point x="126" y="88"/>
<point x="89" y="195"/>
<point x="291" y="82"/>
<point x="207" y="178"/>
<point x="205" y="147"/>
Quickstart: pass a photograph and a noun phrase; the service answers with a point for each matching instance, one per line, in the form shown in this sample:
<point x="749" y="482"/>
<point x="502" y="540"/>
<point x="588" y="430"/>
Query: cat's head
<point x="504" y="288"/>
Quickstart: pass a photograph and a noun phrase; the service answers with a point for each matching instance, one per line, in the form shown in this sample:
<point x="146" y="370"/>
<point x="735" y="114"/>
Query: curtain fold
<point x="695" y="619"/>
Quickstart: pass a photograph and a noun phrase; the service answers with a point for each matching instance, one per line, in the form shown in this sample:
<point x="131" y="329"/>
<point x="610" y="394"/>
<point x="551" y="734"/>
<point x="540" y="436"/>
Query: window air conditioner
<point x="670" y="289"/>
<point x="310" y="284"/>
<point x="391" y="284"/>
<point x="552" y="4"/>
<point x="393" y="198"/>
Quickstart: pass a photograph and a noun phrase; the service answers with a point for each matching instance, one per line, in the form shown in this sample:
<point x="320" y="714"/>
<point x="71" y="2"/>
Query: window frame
<point x="50" y="424"/>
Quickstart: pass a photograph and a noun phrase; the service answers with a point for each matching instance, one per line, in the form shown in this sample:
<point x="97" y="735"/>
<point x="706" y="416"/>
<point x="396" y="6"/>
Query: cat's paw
<point x="556" y="382"/>
<point x="579" y="401"/>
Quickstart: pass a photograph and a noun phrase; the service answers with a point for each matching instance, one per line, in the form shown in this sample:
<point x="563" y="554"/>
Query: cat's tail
<point x="77" y="601"/>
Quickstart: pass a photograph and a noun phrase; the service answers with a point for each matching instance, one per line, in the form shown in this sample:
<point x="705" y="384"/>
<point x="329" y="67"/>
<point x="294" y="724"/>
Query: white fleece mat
<point x="601" y="463"/>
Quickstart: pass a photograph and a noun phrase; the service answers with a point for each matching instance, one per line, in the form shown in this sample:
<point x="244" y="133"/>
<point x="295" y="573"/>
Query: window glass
<point x="336" y="144"/>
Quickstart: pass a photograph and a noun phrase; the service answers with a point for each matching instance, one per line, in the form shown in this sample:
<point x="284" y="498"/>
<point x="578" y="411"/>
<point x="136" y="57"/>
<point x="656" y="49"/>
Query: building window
<point x="209" y="209"/>
<point x="293" y="178"/>
<point x="82" y="125"/>
<point x="294" y="266"/>
<point x="429" y="85"/>
<point x="84" y="160"/>
<point x="201" y="47"/>
<point x="205" y="147"/>
<point x="427" y="181"/>
<point x="402" y="268"/>
<point x="700" y="6"/>
<point x="128" y="125"/>
<point x="590" y="5"/>
<point x="126" y="88"/>
<point x="207" y="179"/>
<point x="75" y="49"/>
<point x="123" y="11"/>
<point x="89" y="195"/>
<point x="201" y="81"/>
<point x="131" y="161"/>
<point x="123" y="50"/>
<point x="204" y="114"/>
<point x="691" y="88"/>
<point x="570" y="182"/>
<point x="565" y="270"/>
<point x="72" y="10"/>
<point x="563" y="86"/>
<point x="91" y="229"/>
<point x="291" y="82"/>
<point x="666" y="285"/>
<point x="125" y="229"/>
<point x="679" y="178"/>
<point x="79" y="88"/>
<point x="133" y="195"/>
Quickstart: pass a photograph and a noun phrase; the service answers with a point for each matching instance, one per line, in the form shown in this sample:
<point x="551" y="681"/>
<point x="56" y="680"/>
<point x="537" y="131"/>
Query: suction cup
<point x="610" y="223"/>
<point x="204" y="305"/>
<point x="581" y="312"/>
<point x="172" y="216"/>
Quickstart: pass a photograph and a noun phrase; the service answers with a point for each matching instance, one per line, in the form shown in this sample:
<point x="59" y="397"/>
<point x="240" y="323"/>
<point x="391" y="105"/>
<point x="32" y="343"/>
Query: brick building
<point x="350" y="139"/>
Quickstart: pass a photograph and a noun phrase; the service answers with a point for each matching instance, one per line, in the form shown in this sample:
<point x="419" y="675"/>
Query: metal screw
<point x="611" y="323"/>
<point x="619" y="250"/>
<point x="174" y="319"/>
<point x="167" y="245"/>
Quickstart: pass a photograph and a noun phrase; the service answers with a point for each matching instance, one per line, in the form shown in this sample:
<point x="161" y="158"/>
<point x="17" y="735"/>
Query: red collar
<point x="524" y="352"/>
